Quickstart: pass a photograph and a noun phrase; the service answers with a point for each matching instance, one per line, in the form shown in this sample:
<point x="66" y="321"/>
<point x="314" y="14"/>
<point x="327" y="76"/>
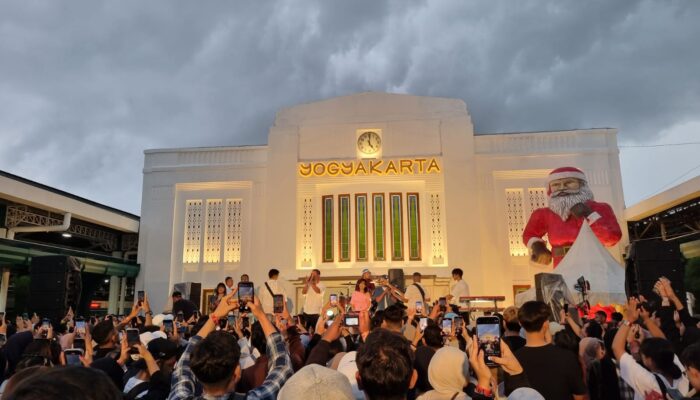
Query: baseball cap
<point x="365" y="271"/>
<point x="348" y="367"/>
<point x="162" y="349"/>
<point x="314" y="382"/>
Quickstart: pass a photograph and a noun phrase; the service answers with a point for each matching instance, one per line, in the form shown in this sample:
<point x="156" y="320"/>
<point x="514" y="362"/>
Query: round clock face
<point x="369" y="142"/>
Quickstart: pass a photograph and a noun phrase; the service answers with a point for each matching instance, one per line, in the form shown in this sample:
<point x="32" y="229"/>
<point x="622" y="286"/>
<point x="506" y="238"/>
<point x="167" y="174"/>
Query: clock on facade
<point x="369" y="142"/>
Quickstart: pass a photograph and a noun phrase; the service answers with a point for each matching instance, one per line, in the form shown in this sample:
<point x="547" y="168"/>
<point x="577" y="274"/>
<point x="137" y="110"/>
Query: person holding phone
<point x="270" y="288"/>
<point x="211" y="353"/>
<point x="313" y="292"/>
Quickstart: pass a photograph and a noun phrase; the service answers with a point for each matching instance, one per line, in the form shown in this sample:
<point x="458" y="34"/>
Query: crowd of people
<point x="379" y="343"/>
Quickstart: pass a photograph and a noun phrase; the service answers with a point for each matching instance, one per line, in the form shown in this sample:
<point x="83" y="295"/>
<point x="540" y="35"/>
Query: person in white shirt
<point x="459" y="287"/>
<point x="313" y="292"/>
<point x="416" y="292"/>
<point x="228" y="282"/>
<point x="662" y="372"/>
<point x="268" y="289"/>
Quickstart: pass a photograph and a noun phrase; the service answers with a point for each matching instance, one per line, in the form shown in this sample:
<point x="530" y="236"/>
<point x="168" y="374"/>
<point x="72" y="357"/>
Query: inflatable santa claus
<point x="570" y="202"/>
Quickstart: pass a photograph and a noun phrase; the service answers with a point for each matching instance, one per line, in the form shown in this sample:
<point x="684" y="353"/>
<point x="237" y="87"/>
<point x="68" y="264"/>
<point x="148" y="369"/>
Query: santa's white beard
<point x="562" y="201"/>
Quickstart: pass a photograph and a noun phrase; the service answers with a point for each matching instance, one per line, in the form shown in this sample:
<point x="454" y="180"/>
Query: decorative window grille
<point x="516" y="221"/>
<point x="436" y="226"/>
<point x="327" y="228"/>
<point x="344" y="227"/>
<point x="361" y="226"/>
<point x="537" y="198"/>
<point x="193" y="231"/>
<point x="396" y="226"/>
<point x="307" y="231"/>
<point x="212" y="239"/>
<point x="412" y="205"/>
<point x="232" y="248"/>
<point x="378" y="226"/>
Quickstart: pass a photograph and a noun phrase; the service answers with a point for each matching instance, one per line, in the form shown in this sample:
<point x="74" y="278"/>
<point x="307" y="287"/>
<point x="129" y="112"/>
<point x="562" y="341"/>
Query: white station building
<point x="370" y="180"/>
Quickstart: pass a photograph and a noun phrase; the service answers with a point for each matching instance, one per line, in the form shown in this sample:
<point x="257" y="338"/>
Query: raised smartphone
<point x="488" y="333"/>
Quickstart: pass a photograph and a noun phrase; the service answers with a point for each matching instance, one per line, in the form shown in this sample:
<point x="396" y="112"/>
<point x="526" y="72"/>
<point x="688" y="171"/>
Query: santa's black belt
<point x="560" y="251"/>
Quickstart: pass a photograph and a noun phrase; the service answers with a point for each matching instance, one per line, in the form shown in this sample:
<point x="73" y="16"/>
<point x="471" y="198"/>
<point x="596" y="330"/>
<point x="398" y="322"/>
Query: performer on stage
<point x="570" y="201"/>
<point x="416" y="292"/>
<point x="459" y="287"/>
<point x="313" y="292"/>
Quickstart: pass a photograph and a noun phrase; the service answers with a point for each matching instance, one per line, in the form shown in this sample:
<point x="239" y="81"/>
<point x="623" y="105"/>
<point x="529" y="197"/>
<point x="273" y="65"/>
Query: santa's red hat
<point x="564" y="172"/>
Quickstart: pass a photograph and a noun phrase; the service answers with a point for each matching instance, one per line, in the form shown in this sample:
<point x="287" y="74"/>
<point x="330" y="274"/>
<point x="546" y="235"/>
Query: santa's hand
<point x="540" y="254"/>
<point x="580" y="210"/>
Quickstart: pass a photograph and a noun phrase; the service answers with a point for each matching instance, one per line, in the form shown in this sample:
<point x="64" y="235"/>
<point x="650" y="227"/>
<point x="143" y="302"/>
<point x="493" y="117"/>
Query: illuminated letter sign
<point x="370" y="167"/>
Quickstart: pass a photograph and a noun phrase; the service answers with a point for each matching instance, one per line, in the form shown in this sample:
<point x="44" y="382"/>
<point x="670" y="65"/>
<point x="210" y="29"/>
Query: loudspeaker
<point x="191" y="291"/>
<point x="647" y="261"/>
<point x="396" y="278"/>
<point x="552" y="290"/>
<point x="55" y="285"/>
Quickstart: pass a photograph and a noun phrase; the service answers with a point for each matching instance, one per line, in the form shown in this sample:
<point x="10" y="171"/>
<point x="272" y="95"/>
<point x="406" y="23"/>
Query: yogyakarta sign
<point x="370" y="167"/>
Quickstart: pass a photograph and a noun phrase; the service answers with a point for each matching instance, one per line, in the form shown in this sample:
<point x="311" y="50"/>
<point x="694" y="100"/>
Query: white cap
<point x="314" y="382"/>
<point x="348" y="367"/>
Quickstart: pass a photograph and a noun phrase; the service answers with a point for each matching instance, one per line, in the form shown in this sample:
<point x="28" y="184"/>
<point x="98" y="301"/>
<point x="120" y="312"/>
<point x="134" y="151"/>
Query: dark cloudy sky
<point x="86" y="86"/>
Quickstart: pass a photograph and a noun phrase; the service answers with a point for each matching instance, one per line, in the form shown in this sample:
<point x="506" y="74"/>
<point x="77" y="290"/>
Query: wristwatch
<point x="626" y="322"/>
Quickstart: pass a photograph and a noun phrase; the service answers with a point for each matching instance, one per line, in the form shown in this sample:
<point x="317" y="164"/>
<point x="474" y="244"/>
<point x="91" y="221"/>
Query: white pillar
<point x="122" y="295"/>
<point x="113" y="295"/>
<point x="4" y="286"/>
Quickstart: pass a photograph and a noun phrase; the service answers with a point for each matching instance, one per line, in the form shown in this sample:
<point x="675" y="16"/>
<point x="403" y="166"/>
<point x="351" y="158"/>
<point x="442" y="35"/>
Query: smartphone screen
<point x="25" y="316"/>
<point x="79" y="343"/>
<point x="132" y="336"/>
<point x="442" y="302"/>
<point x="488" y="333"/>
<point x="73" y="356"/>
<point x="245" y="294"/>
<point x="352" y="320"/>
<point x="168" y="325"/>
<point x="457" y="322"/>
<point x="45" y="323"/>
<point x="447" y="327"/>
<point x="423" y="323"/>
<point x="140" y="296"/>
<point x="419" y="307"/>
<point x="278" y="304"/>
<point x="180" y="317"/>
<point x="566" y="307"/>
<point x="80" y="327"/>
<point x="231" y="319"/>
<point x="334" y="299"/>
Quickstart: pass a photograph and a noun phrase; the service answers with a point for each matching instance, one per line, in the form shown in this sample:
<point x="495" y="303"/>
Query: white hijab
<point x="447" y="374"/>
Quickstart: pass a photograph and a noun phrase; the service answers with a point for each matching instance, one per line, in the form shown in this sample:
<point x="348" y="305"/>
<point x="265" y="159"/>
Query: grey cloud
<point x="85" y="86"/>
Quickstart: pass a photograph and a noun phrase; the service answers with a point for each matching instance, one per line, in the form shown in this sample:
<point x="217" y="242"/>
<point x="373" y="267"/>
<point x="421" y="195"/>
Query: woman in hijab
<point x="447" y="374"/>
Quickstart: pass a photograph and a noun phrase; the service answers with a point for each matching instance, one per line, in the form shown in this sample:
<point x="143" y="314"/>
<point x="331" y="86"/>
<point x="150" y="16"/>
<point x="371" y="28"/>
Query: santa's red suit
<point x="562" y="234"/>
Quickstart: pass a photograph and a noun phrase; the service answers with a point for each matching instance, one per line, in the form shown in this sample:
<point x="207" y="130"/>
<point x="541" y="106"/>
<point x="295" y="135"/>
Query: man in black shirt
<point x="183" y="305"/>
<point x="511" y="328"/>
<point x="552" y="371"/>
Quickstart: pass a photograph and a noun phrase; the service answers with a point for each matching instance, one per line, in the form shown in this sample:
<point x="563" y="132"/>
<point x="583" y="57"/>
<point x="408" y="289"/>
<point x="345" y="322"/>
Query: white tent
<point x="589" y="258"/>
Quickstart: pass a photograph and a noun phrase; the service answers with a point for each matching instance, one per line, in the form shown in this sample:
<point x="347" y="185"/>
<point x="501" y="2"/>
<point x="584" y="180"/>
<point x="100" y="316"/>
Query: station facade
<point x="370" y="180"/>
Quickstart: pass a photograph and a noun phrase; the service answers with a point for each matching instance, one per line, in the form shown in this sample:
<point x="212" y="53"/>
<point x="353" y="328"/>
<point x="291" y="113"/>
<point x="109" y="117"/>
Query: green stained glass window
<point x="344" y="226"/>
<point x="327" y="228"/>
<point x="396" y="226"/>
<point x="413" y="226"/>
<point x="378" y="226"/>
<point x="361" y="226"/>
